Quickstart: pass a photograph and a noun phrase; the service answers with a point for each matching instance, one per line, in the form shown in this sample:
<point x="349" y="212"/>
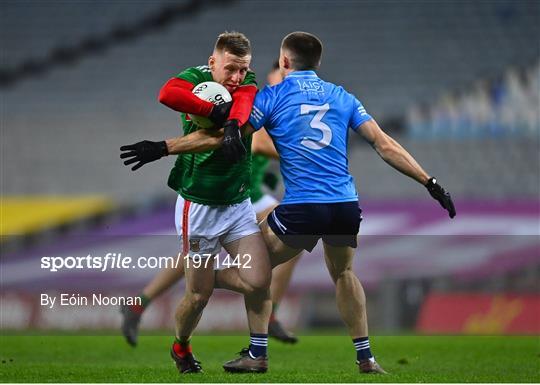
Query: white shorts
<point x="205" y="229"/>
<point x="264" y="203"/>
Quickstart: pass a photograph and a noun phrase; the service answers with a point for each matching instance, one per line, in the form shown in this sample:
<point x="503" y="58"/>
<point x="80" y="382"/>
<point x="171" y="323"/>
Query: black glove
<point x="232" y="146"/>
<point x="442" y="196"/>
<point x="220" y="113"/>
<point x="143" y="152"/>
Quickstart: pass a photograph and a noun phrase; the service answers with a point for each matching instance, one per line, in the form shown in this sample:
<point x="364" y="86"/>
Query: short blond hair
<point x="233" y="42"/>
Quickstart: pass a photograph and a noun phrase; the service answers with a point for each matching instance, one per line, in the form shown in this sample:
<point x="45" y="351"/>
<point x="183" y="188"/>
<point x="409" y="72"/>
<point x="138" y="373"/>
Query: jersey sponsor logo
<point x="194" y="244"/>
<point x="310" y="86"/>
<point x="257" y="114"/>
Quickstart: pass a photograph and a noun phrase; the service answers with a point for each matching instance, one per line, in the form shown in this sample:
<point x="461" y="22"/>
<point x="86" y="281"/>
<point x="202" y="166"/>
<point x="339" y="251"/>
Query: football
<point x="212" y="92"/>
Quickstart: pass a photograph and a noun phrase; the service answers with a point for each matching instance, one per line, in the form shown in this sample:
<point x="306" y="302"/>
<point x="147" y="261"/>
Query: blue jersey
<point x="308" y="120"/>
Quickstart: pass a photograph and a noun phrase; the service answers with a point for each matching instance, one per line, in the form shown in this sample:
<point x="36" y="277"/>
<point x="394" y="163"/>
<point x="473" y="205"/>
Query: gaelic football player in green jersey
<point x="262" y="149"/>
<point x="213" y="209"/>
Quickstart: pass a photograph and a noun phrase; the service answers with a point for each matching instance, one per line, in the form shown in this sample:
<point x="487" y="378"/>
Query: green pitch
<point x="75" y="358"/>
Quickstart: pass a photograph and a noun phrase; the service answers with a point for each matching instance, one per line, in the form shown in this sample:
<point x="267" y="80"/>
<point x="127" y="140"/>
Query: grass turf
<point x="75" y="358"/>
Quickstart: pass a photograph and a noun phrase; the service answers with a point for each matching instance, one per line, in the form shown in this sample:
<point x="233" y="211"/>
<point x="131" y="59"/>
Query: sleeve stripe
<point x="259" y="112"/>
<point x="256" y="113"/>
<point x="255" y="117"/>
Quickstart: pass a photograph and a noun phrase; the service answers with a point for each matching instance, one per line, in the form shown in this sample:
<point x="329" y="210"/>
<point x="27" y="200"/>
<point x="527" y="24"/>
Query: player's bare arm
<point x="392" y="152"/>
<point x="397" y="157"/>
<point x="199" y="141"/>
<point x="147" y="151"/>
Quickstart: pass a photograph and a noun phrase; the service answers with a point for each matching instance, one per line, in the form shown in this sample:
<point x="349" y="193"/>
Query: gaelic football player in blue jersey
<point x="309" y="120"/>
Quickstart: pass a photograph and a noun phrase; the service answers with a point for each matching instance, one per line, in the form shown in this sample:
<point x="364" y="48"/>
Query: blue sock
<point x="362" y="348"/>
<point x="257" y="345"/>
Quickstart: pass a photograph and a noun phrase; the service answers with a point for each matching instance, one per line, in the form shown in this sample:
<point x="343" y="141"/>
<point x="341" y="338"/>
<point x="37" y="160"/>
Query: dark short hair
<point x="305" y="49"/>
<point x="235" y="43"/>
<point x="275" y="65"/>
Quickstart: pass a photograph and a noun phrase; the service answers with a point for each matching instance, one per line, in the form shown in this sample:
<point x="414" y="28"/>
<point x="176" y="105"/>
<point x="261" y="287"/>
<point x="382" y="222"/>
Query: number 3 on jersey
<point x="317" y="124"/>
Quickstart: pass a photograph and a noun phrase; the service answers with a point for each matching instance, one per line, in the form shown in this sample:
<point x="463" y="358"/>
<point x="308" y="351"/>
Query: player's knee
<point x="198" y="300"/>
<point x="257" y="281"/>
<point x="257" y="290"/>
<point x="258" y="286"/>
<point x="344" y="274"/>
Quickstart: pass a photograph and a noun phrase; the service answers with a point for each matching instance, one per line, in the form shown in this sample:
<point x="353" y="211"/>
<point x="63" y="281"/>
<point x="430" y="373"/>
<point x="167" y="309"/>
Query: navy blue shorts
<point x="301" y="225"/>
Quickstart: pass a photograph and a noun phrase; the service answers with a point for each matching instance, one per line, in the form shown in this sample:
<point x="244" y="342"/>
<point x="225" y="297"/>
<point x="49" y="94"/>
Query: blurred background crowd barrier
<point x="457" y="83"/>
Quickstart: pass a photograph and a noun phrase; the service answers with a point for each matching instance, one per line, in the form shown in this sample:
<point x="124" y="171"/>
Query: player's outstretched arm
<point x="396" y="156"/>
<point x="198" y="141"/>
<point x="147" y="151"/>
<point x="392" y="152"/>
